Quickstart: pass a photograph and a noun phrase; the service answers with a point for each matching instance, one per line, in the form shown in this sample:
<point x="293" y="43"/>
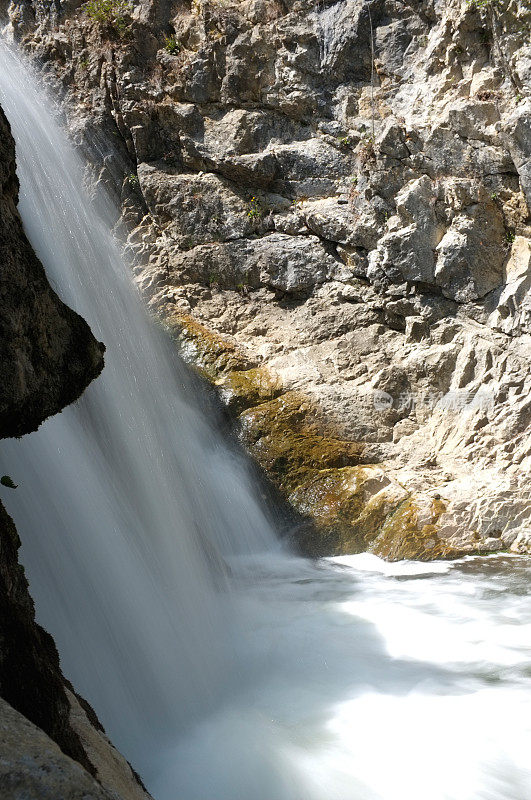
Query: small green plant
<point x="132" y="180"/>
<point x="83" y="63"/>
<point x="172" y="45"/>
<point x="495" y="196"/>
<point x="345" y="141"/>
<point x="518" y="98"/>
<point x="479" y="4"/>
<point x="244" y="286"/>
<point x="110" y="14"/>
<point x="256" y="210"/>
<point x="509" y="237"/>
<point x="213" y="280"/>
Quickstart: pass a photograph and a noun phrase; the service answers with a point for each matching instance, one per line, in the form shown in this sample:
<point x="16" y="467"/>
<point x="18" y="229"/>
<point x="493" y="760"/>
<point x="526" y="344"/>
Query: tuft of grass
<point x="479" y="4"/>
<point x="111" y="14"/>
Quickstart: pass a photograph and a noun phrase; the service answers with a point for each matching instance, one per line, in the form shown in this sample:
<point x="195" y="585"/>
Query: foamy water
<point x="362" y="680"/>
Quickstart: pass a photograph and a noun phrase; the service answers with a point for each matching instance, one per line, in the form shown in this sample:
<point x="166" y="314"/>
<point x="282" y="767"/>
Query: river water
<point x="222" y="666"/>
<point x="384" y="681"/>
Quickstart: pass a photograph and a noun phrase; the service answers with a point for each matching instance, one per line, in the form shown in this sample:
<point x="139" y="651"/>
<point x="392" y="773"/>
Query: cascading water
<point x="129" y="502"/>
<point x="346" y="679"/>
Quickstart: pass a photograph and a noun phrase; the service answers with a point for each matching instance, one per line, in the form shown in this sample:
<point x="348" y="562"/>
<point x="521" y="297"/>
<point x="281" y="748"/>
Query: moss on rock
<point x="286" y="438"/>
<point x="213" y="355"/>
<point x="412" y="531"/>
<point x="352" y="506"/>
<point x="348" y="506"/>
<point x="242" y="389"/>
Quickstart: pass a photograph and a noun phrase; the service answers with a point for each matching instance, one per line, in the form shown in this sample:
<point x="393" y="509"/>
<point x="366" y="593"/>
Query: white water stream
<point x="224" y="668"/>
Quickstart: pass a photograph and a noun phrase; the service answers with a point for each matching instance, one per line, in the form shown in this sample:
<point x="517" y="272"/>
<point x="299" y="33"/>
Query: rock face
<point x="336" y="223"/>
<point x="51" y="741"/>
<point x="34" y="768"/>
<point x="64" y="748"/>
<point x="40" y="337"/>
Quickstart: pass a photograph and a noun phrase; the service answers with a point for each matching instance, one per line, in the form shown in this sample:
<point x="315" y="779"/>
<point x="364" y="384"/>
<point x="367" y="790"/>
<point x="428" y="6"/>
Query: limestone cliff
<point x="329" y="203"/>
<point x="47" y="358"/>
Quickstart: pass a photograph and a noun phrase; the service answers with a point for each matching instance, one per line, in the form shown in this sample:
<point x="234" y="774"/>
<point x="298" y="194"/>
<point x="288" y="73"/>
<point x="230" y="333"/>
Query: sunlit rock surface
<point x="357" y="227"/>
<point x="34" y="768"/>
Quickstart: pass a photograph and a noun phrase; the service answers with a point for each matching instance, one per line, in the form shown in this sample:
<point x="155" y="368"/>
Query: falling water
<point x="129" y="502"/>
<point x="345" y="679"/>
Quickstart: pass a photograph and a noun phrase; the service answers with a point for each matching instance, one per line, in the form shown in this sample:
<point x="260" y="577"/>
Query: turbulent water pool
<point x="221" y="665"/>
<point x="366" y="680"/>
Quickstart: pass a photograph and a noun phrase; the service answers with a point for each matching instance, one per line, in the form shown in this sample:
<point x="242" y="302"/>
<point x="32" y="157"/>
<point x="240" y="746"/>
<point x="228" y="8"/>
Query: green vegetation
<point x="243" y="287"/>
<point x="132" y="180"/>
<point x="478" y="4"/>
<point x="110" y="14"/>
<point x="345" y="141"/>
<point x="256" y="210"/>
<point x="501" y="5"/>
<point x="5" y="480"/>
<point x="172" y="45"/>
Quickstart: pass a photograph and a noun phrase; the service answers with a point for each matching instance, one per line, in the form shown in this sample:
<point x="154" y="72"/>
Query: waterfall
<point x="129" y="502"/>
<point x="222" y="667"/>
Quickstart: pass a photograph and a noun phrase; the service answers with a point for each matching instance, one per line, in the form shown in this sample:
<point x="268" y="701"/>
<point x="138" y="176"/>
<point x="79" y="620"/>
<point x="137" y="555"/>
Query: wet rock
<point x="335" y="218"/>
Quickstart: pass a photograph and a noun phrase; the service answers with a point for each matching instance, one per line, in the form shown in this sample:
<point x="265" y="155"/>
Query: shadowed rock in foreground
<point x="51" y="741"/>
<point x="48" y="354"/>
